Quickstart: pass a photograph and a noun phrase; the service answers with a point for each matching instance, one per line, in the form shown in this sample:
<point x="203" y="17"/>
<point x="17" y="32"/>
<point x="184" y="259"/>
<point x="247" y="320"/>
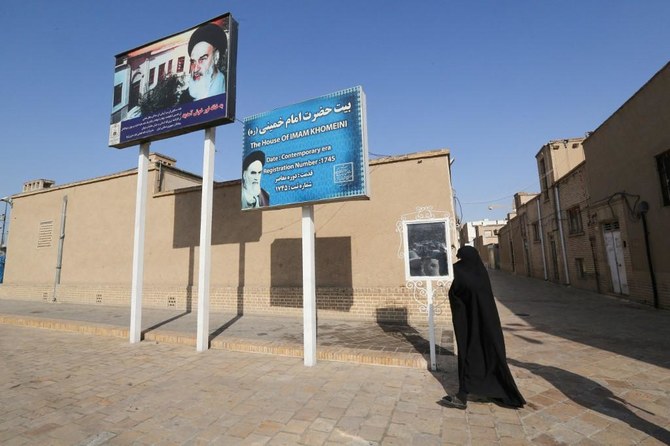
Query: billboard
<point x="313" y="151"/>
<point x="179" y="84"/>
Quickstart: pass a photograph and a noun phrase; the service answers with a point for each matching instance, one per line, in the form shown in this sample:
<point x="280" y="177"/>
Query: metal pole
<point x="59" y="258"/>
<point x="560" y="233"/>
<point x="431" y="324"/>
<point x="205" y="254"/>
<point x="652" y="275"/>
<point x="541" y="229"/>
<point x="4" y="224"/>
<point x="138" y="245"/>
<point x="308" y="285"/>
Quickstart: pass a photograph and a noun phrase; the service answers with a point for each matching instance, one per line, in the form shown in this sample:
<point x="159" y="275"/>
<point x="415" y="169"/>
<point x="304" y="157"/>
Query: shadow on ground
<point x="593" y="396"/>
<point x="626" y="328"/>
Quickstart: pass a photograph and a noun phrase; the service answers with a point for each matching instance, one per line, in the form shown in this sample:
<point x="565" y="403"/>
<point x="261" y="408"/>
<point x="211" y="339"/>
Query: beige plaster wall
<point x="256" y="255"/>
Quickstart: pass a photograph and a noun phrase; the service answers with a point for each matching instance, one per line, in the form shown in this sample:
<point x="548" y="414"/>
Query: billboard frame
<point x="311" y="152"/>
<point x="157" y="76"/>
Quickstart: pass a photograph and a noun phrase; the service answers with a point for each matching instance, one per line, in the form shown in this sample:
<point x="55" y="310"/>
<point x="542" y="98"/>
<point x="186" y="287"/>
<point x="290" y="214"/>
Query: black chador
<point x="482" y="361"/>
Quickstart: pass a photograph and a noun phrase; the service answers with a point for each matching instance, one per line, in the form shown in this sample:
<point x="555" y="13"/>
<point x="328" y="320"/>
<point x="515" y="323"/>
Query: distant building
<point x="538" y="237"/>
<point x="482" y="235"/>
<point x="470" y="230"/>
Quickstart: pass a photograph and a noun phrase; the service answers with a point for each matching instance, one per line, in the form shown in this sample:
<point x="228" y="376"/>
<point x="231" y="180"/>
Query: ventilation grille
<point x="172" y="301"/>
<point x="45" y="234"/>
<point x="614" y="226"/>
<point x="98" y="298"/>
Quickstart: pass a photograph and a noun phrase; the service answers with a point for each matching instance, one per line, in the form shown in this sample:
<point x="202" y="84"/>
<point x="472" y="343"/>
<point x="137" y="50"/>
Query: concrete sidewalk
<point x="363" y="342"/>
<point x="594" y="370"/>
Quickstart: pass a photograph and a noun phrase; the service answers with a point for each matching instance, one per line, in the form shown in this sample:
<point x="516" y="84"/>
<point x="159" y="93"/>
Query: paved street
<point x="594" y="369"/>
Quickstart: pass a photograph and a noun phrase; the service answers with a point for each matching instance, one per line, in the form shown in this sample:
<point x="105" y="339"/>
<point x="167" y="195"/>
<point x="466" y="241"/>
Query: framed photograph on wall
<point x="427" y="250"/>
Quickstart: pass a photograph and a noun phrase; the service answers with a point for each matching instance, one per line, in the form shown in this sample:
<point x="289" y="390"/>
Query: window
<point x="169" y="66"/>
<point x="543" y="179"/>
<point x="487" y="233"/>
<point x="180" y="64"/>
<point x="575" y="220"/>
<point x="495" y="232"/>
<point x="663" y="162"/>
<point x="161" y="72"/>
<point x="152" y="73"/>
<point x="118" y="94"/>
<point x="134" y="98"/>
<point x="536" y="232"/>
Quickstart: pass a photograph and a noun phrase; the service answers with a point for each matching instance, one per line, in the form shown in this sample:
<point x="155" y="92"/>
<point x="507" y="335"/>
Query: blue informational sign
<point x="313" y="151"/>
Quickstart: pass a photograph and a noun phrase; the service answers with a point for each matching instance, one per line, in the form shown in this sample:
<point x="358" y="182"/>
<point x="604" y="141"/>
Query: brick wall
<point x="394" y="305"/>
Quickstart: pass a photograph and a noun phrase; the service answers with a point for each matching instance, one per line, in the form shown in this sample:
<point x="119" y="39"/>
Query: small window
<point x="536" y="232"/>
<point x="575" y="220"/>
<point x="169" y="66"/>
<point x="663" y="162"/>
<point x="575" y="145"/>
<point x="543" y="175"/>
<point x="180" y="64"/>
<point x="487" y="233"/>
<point x="152" y="74"/>
<point x="161" y="72"/>
<point x="495" y="232"/>
<point x="544" y="181"/>
<point x="118" y="94"/>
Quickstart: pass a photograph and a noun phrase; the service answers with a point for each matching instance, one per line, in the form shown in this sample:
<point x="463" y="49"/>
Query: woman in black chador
<point x="482" y="362"/>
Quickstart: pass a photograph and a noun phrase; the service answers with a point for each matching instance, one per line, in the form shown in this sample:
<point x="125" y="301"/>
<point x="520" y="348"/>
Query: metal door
<point x="615" y="259"/>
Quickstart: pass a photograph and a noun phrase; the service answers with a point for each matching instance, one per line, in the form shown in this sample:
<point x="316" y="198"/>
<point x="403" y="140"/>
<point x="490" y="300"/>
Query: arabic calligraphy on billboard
<point x="308" y="152"/>
<point x="179" y="84"/>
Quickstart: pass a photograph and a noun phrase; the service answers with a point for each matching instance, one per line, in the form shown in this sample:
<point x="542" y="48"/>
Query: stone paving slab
<point x="594" y="369"/>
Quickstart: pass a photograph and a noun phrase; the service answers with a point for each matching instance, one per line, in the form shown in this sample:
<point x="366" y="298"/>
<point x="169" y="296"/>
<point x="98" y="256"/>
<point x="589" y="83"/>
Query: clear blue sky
<point x="490" y="80"/>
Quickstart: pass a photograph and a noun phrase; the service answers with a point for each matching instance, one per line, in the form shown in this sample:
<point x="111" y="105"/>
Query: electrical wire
<point x="498" y="199"/>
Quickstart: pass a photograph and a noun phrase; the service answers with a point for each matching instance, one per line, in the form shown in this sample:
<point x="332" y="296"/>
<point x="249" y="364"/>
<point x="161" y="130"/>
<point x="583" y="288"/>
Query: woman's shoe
<point x="453" y="401"/>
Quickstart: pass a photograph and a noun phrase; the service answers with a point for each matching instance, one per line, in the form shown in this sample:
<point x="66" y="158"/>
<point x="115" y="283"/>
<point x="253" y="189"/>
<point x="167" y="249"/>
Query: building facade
<point x="602" y="218"/>
<point x="630" y="194"/>
<point x="256" y="255"/>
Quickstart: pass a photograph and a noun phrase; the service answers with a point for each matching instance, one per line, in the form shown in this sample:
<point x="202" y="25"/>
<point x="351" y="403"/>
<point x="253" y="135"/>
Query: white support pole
<point x="431" y="324"/>
<point x="138" y="245"/>
<point x="308" y="285"/>
<point x="205" y="251"/>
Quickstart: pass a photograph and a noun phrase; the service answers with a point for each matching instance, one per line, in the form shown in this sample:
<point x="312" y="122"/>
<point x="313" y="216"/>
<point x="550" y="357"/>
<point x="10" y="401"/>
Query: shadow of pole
<point x="394" y="322"/>
<point x="240" y="278"/>
<point x="167" y="321"/>
<point x="224" y="327"/>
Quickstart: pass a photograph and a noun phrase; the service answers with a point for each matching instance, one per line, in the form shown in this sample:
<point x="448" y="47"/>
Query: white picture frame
<point x="427" y="249"/>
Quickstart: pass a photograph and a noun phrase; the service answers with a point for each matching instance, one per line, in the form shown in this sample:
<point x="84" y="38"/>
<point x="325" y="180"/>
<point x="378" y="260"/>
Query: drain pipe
<point x="544" y="258"/>
<point x="643" y="208"/>
<point x="560" y="233"/>
<point x="59" y="260"/>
